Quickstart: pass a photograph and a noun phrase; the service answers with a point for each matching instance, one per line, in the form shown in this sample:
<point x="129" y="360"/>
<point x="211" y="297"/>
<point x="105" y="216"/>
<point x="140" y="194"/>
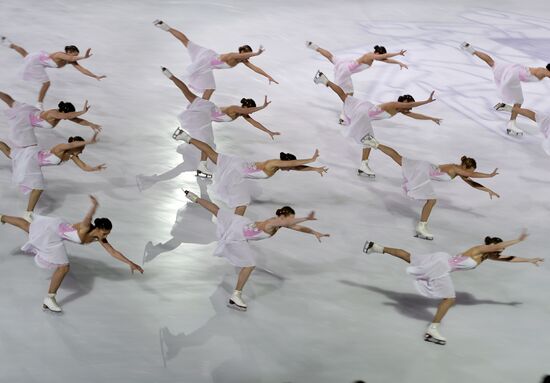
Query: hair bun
<point x="278" y="212"/>
<point x="71" y="139"/>
<point x="61" y="104"/>
<point x="487" y="240"/>
<point x="243" y="100"/>
<point x="376" y="47"/>
<point x="464" y="158"/>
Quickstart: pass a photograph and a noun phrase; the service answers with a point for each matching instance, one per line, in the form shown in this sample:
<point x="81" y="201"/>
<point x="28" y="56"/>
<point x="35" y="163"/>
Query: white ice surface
<point x="318" y="312"/>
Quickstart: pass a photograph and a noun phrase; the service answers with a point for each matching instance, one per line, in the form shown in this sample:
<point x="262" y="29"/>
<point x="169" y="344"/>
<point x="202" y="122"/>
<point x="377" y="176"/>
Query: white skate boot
<point x="365" y="170"/>
<point x="181" y="135"/>
<point x="370" y="141"/>
<point x="343" y="120"/>
<point x="310" y="45"/>
<point x="371" y="247"/>
<point x="191" y="196"/>
<point x="422" y="231"/>
<point x="203" y="171"/>
<point x="51" y="304"/>
<point x="145" y="182"/>
<point x="166" y="72"/>
<point x="236" y="302"/>
<point x="467" y="48"/>
<point x="502" y="107"/>
<point x="151" y="252"/>
<point x="40" y="105"/>
<point x="27" y="216"/>
<point x="432" y="335"/>
<point x="161" y="24"/>
<point x="513" y="130"/>
<point x="4" y="41"/>
<point x="320" y="78"/>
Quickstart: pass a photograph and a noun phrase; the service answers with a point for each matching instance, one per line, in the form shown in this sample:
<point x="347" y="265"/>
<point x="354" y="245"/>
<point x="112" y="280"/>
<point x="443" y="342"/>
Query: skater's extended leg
<point x="206" y="150"/>
<point x="33" y="199"/>
<point x="15" y="221"/>
<point x="7" y="99"/>
<point x="391" y="153"/>
<point x="43" y="90"/>
<point x="4" y="148"/>
<point x="524" y="112"/>
<point x="485" y="57"/>
<point x="57" y="277"/>
<point x="19" y="50"/>
<point x="399" y="253"/>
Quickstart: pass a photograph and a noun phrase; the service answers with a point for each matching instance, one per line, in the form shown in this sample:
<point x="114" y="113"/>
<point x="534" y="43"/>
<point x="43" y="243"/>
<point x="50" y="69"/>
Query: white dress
<point x="359" y="114"/>
<point x="432" y="273"/>
<point x="46" y="236"/>
<point x="231" y="182"/>
<point x="543" y="122"/>
<point x="35" y="65"/>
<point x="196" y="119"/>
<point x="343" y="69"/>
<point x="26" y="167"/>
<point x="234" y="232"/>
<point x="508" y="78"/>
<point x="22" y="119"/>
<point x="203" y="61"/>
<point x="418" y="176"/>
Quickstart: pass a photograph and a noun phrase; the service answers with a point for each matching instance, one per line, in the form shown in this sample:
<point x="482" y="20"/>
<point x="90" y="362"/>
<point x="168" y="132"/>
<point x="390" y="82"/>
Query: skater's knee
<point x="431" y="202"/>
<point x="46" y="85"/>
<point x="64" y="269"/>
<point x="449" y="301"/>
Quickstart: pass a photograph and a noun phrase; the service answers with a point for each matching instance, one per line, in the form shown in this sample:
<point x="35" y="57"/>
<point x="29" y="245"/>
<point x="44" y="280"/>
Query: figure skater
<point x="46" y="237"/>
<point x="23" y="118"/>
<point x="27" y="163"/>
<point x="432" y="272"/>
<point x="204" y="60"/>
<point x="541" y="118"/>
<point x="345" y="67"/>
<point x="418" y="174"/>
<point x="234" y="232"/>
<point x="198" y="117"/>
<point x="36" y="64"/>
<point x="508" y="78"/>
<point x="230" y="177"/>
<point x="360" y="113"/>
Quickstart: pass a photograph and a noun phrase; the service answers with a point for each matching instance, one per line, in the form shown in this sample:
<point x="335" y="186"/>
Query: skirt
<point x="229" y="185"/>
<point x="199" y="72"/>
<point x="357" y="112"/>
<point x="432" y="275"/>
<point x="417" y="183"/>
<point x="46" y="243"/>
<point x="508" y="82"/>
<point x="342" y="74"/>
<point x="35" y="65"/>
<point x="19" y="120"/>
<point x="232" y="245"/>
<point x="26" y="171"/>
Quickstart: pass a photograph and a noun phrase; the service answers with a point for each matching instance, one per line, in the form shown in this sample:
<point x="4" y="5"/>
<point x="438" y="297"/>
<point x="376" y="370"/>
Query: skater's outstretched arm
<point x="410" y="105"/>
<point x="471" y="174"/>
<point x="68" y="116"/>
<point x="60" y="148"/>
<point x="495" y="247"/>
<point x="87" y="168"/>
<point x="118" y="255"/>
<point x="86" y="72"/>
<point x="511" y="258"/>
<point x="273" y="226"/>
<point x="319" y="169"/>
<point x="293" y="163"/>
<point x="418" y="116"/>
<point x="392" y="61"/>
<point x="479" y="186"/>
<point x="307" y="230"/>
<point x="83" y="122"/>
<point x="259" y="126"/>
<point x="86" y="223"/>
<point x="385" y="56"/>
<point x="244" y="55"/>
<point x="259" y="71"/>
<point x="246" y="111"/>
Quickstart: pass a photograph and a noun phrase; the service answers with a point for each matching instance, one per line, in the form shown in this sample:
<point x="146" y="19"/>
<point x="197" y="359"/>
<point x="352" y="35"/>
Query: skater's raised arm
<point x="495" y="247"/>
<point x="86" y="223"/>
<point x="83" y="122"/>
<point x="479" y="186"/>
<point x="242" y="55"/>
<point x="292" y="163"/>
<point x="410" y="105"/>
<point x="118" y="255"/>
<point x="245" y="110"/>
<point x="307" y="230"/>
<point x="288" y="223"/>
<point x="259" y="71"/>
<point x="70" y="58"/>
<point x="418" y="116"/>
<point x="86" y="72"/>
<point x="84" y="166"/>
<point x="74" y="144"/>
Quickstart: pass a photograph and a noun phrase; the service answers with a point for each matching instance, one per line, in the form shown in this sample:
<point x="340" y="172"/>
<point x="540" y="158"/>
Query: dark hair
<point x="405" y="98"/>
<point x="245" y="49"/>
<point x="103" y="224"/>
<point x="71" y="48"/>
<point x="492" y="240"/>
<point x="76" y="139"/>
<point x="380" y="49"/>
<point x="548" y="68"/>
<point x="287" y="156"/>
<point x="546" y="378"/>
<point x="248" y="103"/>
<point x="66" y="107"/>
<point x="468" y="162"/>
<point x="285" y="211"/>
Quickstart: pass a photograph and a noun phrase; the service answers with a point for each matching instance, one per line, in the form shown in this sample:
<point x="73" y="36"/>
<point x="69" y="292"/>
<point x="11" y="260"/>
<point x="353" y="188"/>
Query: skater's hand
<point x="492" y="193"/>
<point x="523" y="236"/>
<point x="402" y="52"/>
<point x="494" y="173"/>
<point x="88" y="53"/>
<point x="94" y="201"/>
<point x="431" y="98"/>
<point x="93" y="140"/>
<point x="100" y="167"/>
<point x="311" y="216"/>
<point x="315" y="155"/>
<point x="321" y="170"/>
<point x="320" y="235"/>
<point x="134" y="267"/>
<point x="273" y="134"/>
<point x="272" y="80"/>
<point x="536" y="261"/>
<point x="437" y="120"/>
<point x="86" y="107"/>
<point x="401" y="66"/>
<point x="266" y="102"/>
<point x="96" y="127"/>
<point x="100" y="77"/>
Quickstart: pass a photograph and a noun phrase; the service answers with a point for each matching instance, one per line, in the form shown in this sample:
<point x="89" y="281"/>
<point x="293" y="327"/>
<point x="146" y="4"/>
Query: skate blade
<point x="49" y="310"/>
<point x="203" y="175"/>
<point x="513" y="134"/>
<point x="431" y="339"/>
<point x="363" y="174"/>
<point x="424" y="237"/>
<point x="234" y="306"/>
<point x="500" y="107"/>
<point x="176" y="133"/>
<point x="367" y="247"/>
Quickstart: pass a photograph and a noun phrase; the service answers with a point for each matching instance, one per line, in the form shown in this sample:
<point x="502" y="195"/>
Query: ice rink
<point x="318" y="312"/>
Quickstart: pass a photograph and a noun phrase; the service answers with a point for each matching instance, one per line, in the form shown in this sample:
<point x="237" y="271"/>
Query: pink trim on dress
<point x="250" y="169"/>
<point x="436" y="172"/>
<point x="251" y="231"/>
<point x="65" y="228"/>
<point x="44" y="58"/>
<point x="35" y="119"/>
<point x="375" y="111"/>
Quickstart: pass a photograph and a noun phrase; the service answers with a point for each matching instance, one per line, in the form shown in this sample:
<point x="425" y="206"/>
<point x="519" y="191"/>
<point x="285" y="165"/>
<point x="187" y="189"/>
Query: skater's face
<point x="102" y="233"/>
